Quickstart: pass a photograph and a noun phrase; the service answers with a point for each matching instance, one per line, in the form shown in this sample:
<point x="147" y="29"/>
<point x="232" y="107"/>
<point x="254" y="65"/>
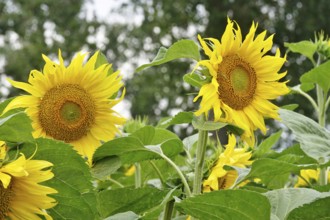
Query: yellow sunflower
<point x="309" y="175"/>
<point x="244" y="79"/>
<point x="220" y="178"/>
<point x="21" y="195"/>
<point x="73" y="104"/>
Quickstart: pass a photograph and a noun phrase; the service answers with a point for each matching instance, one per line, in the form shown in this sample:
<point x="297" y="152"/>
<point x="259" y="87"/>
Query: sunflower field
<point x="66" y="153"/>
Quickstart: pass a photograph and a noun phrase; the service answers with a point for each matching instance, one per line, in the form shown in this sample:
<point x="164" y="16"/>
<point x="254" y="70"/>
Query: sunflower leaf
<point x="267" y="144"/>
<point x="16" y="128"/>
<point x="131" y="149"/>
<point x="306" y="48"/>
<point x="319" y="75"/>
<point x="313" y="139"/>
<point x="182" y="49"/>
<point x="180" y="118"/>
<point x="102" y="59"/>
<point x="318" y="209"/>
<point x="195" y="79"/>
<point x="284" y="201"/>
<point x="227" y="204"/>
<point x="207" y="125"/>
<point x="280" y="171"/>
<point x="105" y="167"/>
<point x="129" y="215"/>
<point x="72" y="179"/>
<point x="139" y="200"/>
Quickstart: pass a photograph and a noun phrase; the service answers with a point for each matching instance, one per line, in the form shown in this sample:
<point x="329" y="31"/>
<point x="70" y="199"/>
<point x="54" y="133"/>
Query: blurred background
<point x="130" y="33"/>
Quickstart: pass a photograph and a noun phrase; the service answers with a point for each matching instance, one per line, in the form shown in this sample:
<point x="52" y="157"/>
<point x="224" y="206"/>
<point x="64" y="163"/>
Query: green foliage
<point x="314" y="139"/>
<point x="16" y="128"/>
<point x="76" y="198"/>
<point x="306" y="48"/>
<point x="284" y="201"/>
<point x="227" y="204"/>
<point x="319" y="75"/>
<point x="122" y="200"/>
<point x="180" y="49"/>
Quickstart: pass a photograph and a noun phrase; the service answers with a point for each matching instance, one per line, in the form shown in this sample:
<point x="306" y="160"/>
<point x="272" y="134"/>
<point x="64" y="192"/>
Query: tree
<point x="156" y="92"/>
<point x="30" y="28"/>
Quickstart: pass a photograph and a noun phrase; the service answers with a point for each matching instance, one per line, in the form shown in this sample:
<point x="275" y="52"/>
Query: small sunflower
<point x="243" y="79"/>
<point x="310" y="175"/>
<point x="73" y="104"/>
<point x="220" y="178"/>
<point x="21" y="195"/>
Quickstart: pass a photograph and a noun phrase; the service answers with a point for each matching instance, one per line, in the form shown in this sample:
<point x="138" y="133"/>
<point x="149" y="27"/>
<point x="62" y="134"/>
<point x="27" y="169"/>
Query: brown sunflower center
<point x="66" y="112"/>
<point x="5" y="198"/>
<point x="237" y="82"/>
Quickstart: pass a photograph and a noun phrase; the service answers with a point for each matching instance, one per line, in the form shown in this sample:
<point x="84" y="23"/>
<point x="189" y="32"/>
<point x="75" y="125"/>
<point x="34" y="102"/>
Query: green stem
<point x="310" y="99"/>
<point x="323" y="178"/>
<point x="116" y="182"/>
<point x="157" y="171"/>
<point x="177" y="169"/>
<point x="138" y="179"/>
<point x="327" y="104"/>
<point x="321" y="104"/>
<point x="199" y="164"/>
<point x="168" y="210"/>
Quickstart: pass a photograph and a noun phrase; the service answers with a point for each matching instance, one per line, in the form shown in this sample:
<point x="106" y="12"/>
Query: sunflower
<point x="73" y="104"/>
<point x="21" y="195"/>
<point x="243" y="79"/>
<point x="309" y="175"/>
<point x="220" y="178"/>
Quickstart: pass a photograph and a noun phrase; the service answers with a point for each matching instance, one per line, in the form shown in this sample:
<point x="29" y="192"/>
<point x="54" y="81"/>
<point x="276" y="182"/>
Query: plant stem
<point x="199" y="164"/>
<point x="177" y="169"/>
<point x="168" y="210"/>
<point x="157" y="171"/>
<point x="323" y="178"/>
<point x="116" y="182"/>
<point x="138" y="181"/>
<point x="321" y="104"/>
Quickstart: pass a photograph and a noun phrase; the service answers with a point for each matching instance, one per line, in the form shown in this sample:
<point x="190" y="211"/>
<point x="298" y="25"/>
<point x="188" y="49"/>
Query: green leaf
<point x="227" y="204"/>
<point x="319" y="75"/>
<point x="124" y="215"/>
<point x="290" y="106"/>
<point x="181" y="49"/>
<point x="122" y="200"/>
<point x="295" y="155"/>
<point x="180" y="118"/>
<point x="306" y="48"/>
<point x="131" y="150"/>
<point x="195" y="79"/>
<point x="4" y="104"/>
<point x="272" y="172"/>
<point x="102" y="59"/>
<point x="318" y="209"/>
<point x="267" y="144"/>
<point x="313" y="139"/>
<point x="283" y="201"/>
<point x="145" y="134"/>
<point x="16" y="128"/>
<point x="207" y="125"/>
<point x="72" y="180"/>
<point x="105" y="167"/>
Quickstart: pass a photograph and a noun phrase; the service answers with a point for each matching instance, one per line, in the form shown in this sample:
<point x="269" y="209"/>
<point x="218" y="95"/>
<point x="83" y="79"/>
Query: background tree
<point x="135" y="30"/>
<point x="159" y="91"/>
<point x="29" y="28"/>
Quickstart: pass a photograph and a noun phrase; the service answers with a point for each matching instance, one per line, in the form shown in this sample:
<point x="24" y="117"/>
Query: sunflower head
<point x="243" y="79"/>
<point x="72" y="103"/>
<point x="21" y="195"/>
<point x="219" y="177"/>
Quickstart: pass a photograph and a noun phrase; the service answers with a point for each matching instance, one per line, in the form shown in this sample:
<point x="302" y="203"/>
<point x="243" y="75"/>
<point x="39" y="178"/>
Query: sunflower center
<point x="237" y="82"/>
<point x="5" y="197"/>
<point x="66" y="112"/>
